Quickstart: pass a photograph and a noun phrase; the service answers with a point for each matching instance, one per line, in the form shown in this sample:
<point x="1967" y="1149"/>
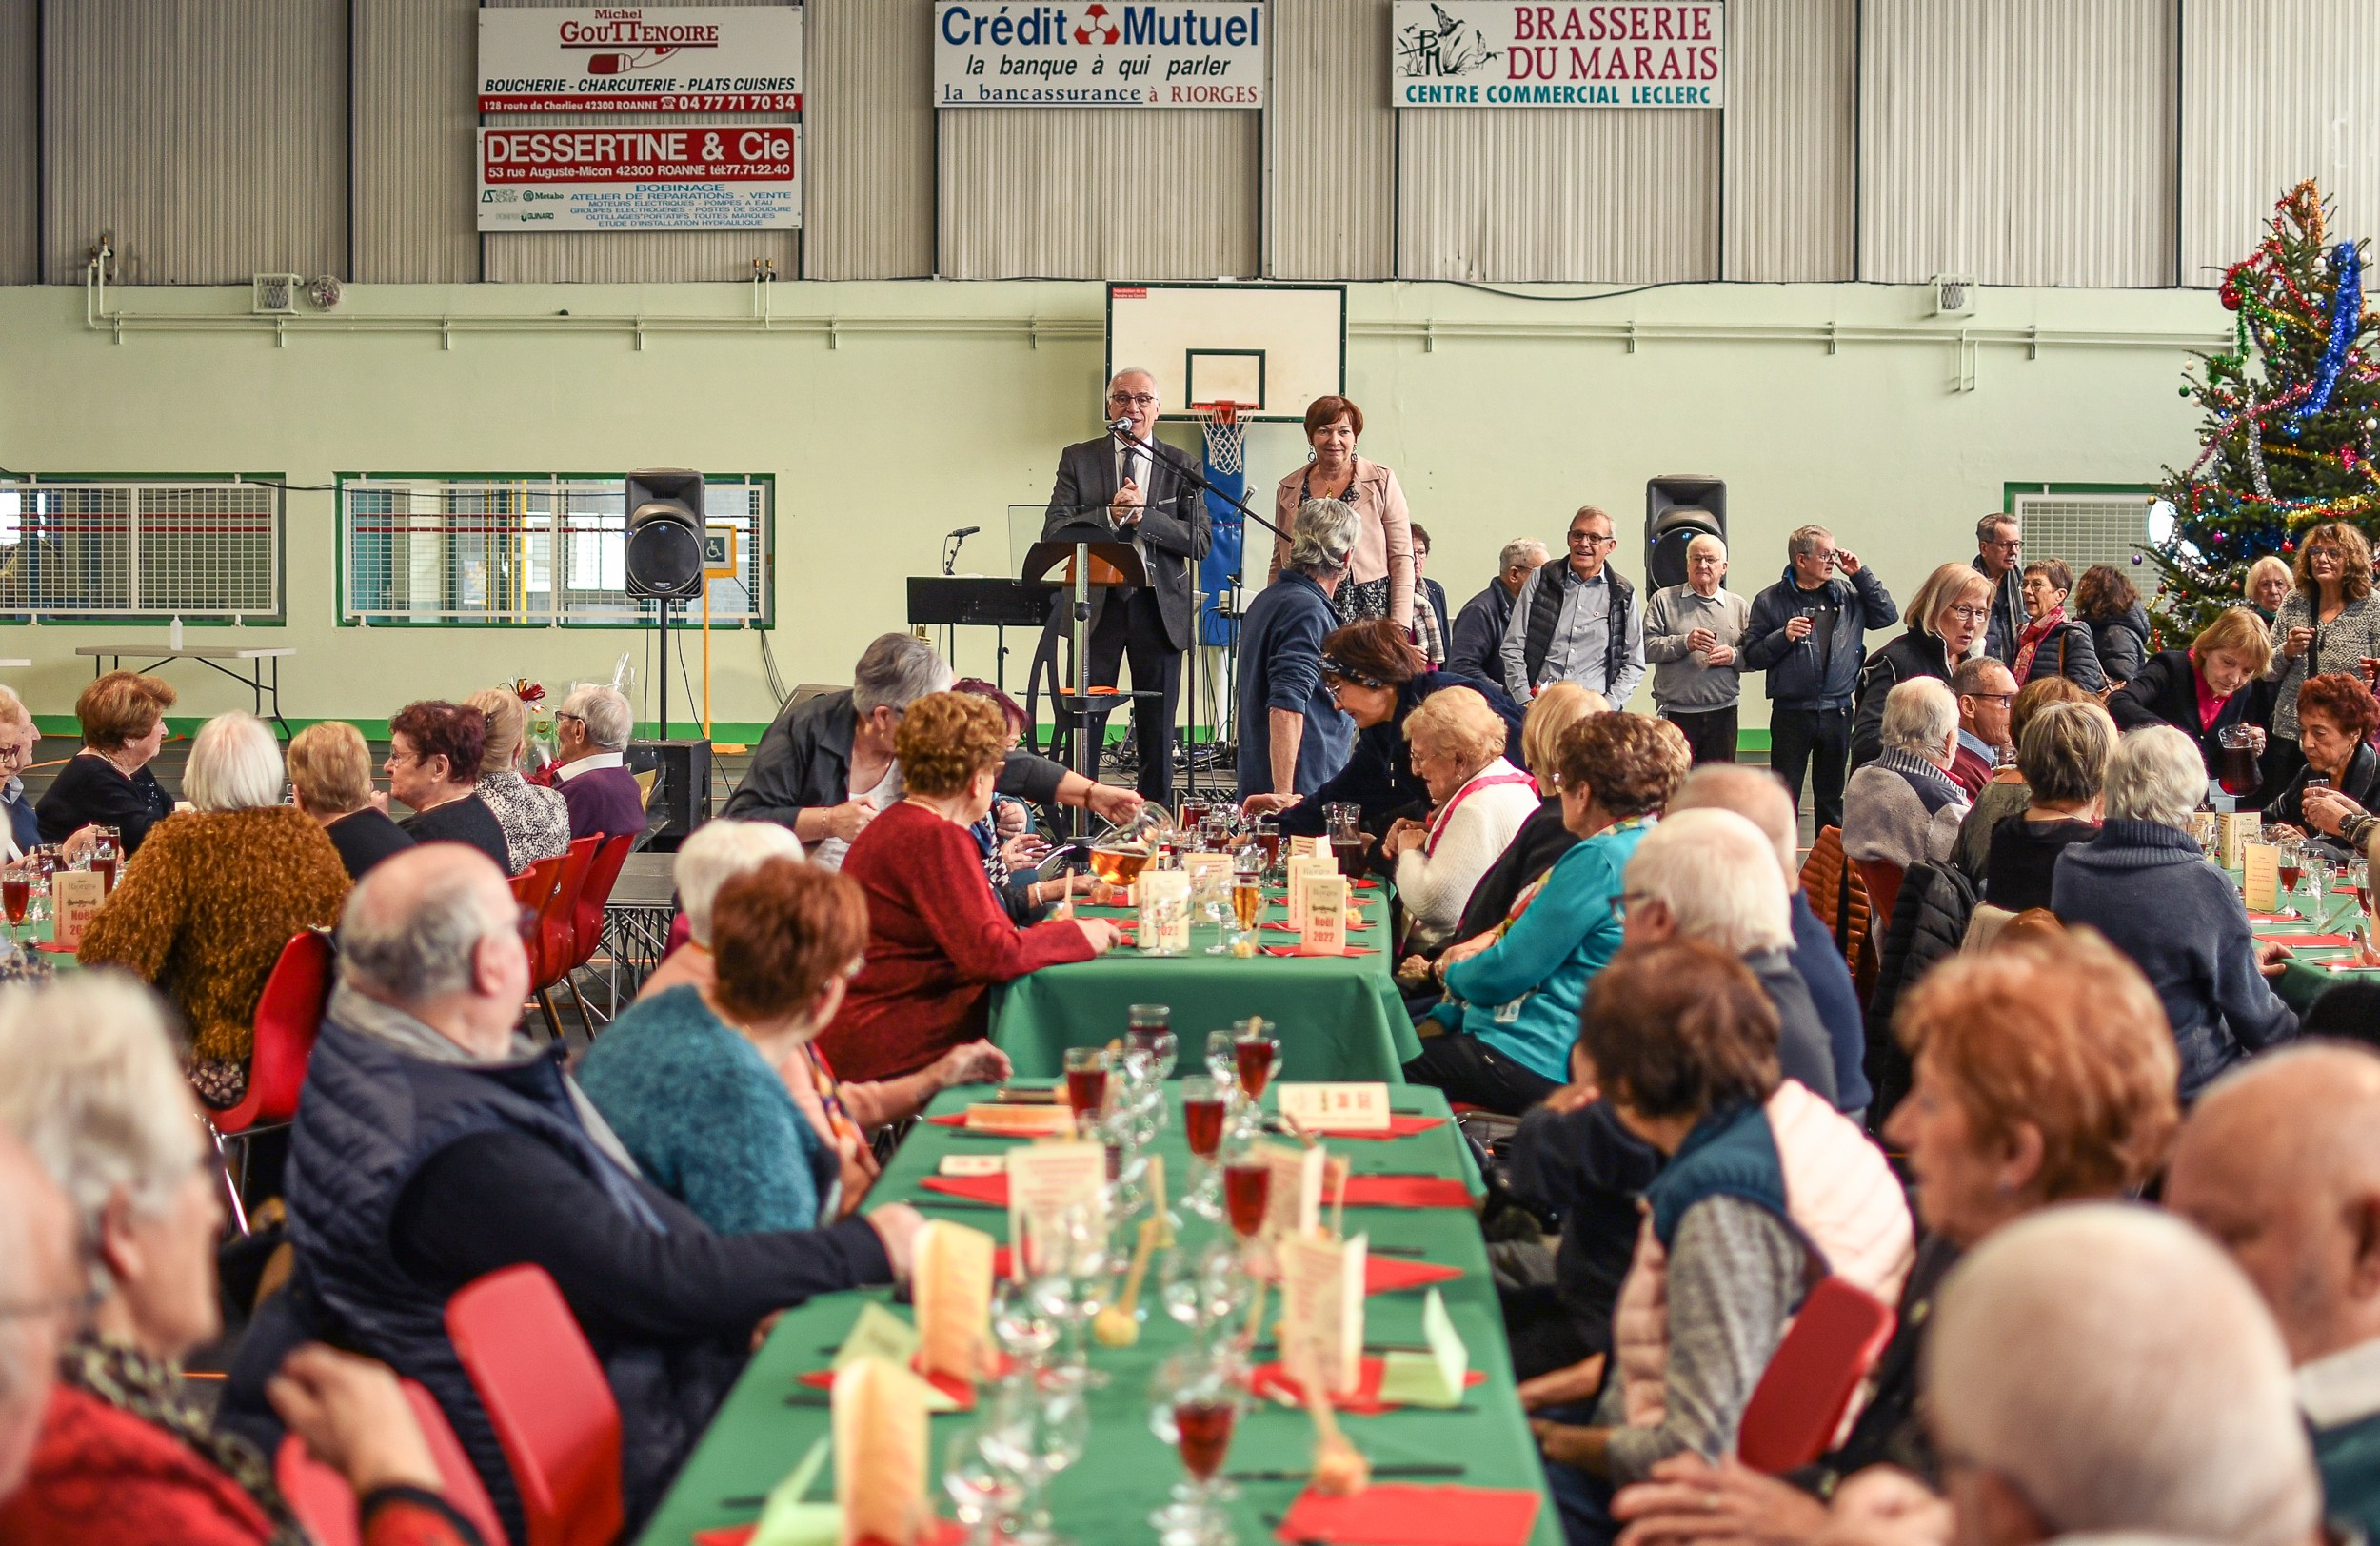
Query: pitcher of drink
<point x="1342" y="821"/>
<point x="2236" y="763"/>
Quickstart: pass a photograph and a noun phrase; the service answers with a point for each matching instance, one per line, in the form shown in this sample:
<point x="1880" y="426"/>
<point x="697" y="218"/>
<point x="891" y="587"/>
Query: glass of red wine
<point x="1247" y="1192"/>
<point x="1205" y="1107"/>
<point x="1193" y="1405"/>
<point x="1256" y="1058"/>
<point x="16" y="896"/>
<point x="1087" y="1083"/>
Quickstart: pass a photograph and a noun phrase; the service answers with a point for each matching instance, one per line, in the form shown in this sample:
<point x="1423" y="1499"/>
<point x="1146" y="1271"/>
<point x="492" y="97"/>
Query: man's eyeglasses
<point x="1138" y="400"/>
<point x="1590" y="539"/>
<point x="2003" y="699"/>
<point x="2007" y="545"/>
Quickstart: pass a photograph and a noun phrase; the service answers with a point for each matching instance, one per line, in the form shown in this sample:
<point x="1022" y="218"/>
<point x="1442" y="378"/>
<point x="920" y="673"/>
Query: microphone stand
<point x="1198" y="481"/>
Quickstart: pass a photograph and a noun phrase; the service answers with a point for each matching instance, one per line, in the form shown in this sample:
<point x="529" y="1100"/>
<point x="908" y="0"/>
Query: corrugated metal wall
<point x="641" y="257"/>
<point x="1334" y="199"/>
<point x="20" y="142"/>
<point x="415" y="77"/>
<point x="1791" y="143"/>
<point x="1097" y="194"/>
<point x="867" y="114"/>
<point x="2273" y="94"/>
<point x="1487" y="193"/>
<point x="209" y="136"/>
<point x="2026" y="142"/>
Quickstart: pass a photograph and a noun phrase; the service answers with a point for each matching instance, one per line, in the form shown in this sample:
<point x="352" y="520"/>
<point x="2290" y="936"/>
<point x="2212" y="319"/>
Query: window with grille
<point x="156" y="549"/>
<point x="542" y="549"/>
<point x="2083" y="530"/>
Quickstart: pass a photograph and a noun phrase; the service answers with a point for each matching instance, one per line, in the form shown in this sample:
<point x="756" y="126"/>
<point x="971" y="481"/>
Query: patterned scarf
<point x="154" y="1393"/>
<point x="2034" y="632"/>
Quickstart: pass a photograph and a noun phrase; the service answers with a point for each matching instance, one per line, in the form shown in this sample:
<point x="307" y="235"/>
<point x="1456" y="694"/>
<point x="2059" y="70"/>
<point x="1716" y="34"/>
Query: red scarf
<point x="1478" y="781"/>
<point x="2034" y="634"/>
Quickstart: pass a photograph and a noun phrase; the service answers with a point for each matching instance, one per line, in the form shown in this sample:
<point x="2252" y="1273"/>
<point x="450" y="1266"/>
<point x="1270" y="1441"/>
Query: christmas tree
<point x="2292" y="415"/>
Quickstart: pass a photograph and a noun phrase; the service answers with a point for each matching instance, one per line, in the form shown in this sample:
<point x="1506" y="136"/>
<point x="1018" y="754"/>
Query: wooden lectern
<point x="1091" y="556"/>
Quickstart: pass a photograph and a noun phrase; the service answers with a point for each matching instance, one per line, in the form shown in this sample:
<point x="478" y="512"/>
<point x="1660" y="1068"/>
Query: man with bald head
<point x="436" y="1143"/>
<point x="41" y="1296"/>
<point x="1691" y="635"/>
<point x="2280" y="1163"/>
<point x="1130" y="485"/>
<point x="2100" y="1367"/>
<point x="1758" y="798"/>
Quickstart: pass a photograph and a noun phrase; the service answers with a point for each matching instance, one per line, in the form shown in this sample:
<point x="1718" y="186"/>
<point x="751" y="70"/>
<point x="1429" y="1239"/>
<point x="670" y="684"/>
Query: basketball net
<point x="1225" y="435"/>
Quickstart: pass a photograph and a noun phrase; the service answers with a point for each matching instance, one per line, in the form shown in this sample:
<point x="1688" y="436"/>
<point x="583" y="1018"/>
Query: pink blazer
<point x="1383" y="538"/>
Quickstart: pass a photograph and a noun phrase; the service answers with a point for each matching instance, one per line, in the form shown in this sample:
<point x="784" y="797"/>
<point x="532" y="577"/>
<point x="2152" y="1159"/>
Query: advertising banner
<point x="1481" y="53"/>
<point x="987" y="54"/>
<point x="641" y="59"/>
<point x="694" y="177"/>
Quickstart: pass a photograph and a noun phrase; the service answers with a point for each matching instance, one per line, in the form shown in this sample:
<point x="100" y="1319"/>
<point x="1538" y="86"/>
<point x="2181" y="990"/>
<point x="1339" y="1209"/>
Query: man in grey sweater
<point x="1691" y="633"/>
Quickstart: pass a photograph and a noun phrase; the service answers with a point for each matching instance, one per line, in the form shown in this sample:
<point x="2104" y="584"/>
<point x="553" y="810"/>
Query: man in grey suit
<point x="1148" y="503"/>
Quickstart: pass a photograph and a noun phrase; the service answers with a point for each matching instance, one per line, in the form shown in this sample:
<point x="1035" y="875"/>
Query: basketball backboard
<point x="1272" y="349"/>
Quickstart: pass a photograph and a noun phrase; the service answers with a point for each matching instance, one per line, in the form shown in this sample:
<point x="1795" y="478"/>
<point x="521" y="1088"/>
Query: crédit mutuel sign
<point x="1484" y="53"/>
<point x="641" y="59"/>
<point x="1106" y="53"/>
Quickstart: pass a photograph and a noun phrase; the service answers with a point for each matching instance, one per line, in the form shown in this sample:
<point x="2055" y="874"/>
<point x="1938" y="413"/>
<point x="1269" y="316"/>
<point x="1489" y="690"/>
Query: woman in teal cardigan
<point x="1511" y="1010"/>
<point x="688" y="1078"/>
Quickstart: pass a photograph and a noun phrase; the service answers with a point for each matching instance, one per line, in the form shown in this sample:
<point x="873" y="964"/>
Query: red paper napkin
<point x="1388" y="1515"/>
<point x="53" y="948"/>
<point x="1300" y="950"/>
<point x="1386" y="1275"/>
<point x="1399" y="1125"/>
<point x="958" y="1120"/>
<point x="960" y="1391"/>
<point x="2309" y="942"/>
<point x="939" y="1532"/>
<point x="992" y="1189"/>
<point x="1266" y="1379"/>
<point x="1406" y="1192"/>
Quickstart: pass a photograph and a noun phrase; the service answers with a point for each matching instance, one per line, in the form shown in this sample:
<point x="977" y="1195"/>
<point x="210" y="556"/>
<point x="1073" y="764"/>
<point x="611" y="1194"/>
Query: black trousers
<point x="1818" y="739"/>
<point x="1711" y="732"/>
<point x="1130" y="628"/>
<point x="1468" y="1070"/>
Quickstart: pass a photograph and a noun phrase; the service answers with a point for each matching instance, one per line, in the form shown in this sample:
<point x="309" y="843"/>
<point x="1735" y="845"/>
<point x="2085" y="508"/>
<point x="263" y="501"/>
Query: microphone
<point x="1119" y="426"/>
<point x="964" y="531"/>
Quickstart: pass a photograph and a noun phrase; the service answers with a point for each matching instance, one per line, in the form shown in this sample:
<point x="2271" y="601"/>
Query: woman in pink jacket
<point x="1379" y="580"/>
<point x="1764" y="1189"/>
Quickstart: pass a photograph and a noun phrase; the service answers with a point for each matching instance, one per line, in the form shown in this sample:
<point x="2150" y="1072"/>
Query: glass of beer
<point x="1247" y="891"/>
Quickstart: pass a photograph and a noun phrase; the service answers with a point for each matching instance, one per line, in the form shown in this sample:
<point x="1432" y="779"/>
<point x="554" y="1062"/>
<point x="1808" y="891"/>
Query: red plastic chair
<point x="548" y="1402"/>
<point x="318" y="1496"/>
<point x="288" y="1013"/>
<point x="463" y="1488"/>
<point x="587" y="918"/>
<point x="1799" y="1402"/>
<point x="534" y="886"/>
<point x="557" y="928"/>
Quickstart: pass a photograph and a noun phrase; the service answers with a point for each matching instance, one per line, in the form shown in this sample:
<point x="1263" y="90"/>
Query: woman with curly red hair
<point x="937" y="937"/>
<point x="2337" y="718"/>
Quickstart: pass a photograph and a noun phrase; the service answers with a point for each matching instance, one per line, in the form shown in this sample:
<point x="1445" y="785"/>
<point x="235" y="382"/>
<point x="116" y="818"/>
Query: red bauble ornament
<point x="2231" y="296"/>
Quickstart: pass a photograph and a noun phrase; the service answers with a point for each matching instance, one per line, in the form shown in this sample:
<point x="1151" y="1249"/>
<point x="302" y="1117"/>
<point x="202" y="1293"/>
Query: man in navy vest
<point x="435" y="1143"/>
<point x="1576" y="621"/>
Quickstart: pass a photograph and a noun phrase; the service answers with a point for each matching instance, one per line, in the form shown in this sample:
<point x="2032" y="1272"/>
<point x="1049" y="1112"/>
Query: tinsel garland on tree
<point x="2292" y="417"/>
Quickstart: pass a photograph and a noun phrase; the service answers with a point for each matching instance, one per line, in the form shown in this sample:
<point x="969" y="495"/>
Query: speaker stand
<point x="665" y="667"/>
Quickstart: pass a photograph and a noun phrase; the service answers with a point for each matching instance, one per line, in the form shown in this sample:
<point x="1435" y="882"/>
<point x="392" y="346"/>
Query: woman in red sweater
<point x="938" y="938"/>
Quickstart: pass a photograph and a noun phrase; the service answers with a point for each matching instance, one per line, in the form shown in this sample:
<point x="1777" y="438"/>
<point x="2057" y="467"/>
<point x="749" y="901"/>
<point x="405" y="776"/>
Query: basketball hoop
<point x="1226" y="436"/>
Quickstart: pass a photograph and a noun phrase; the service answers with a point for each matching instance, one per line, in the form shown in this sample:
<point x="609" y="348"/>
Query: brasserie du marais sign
<point x="1108" y="54"/>
<point x="1488" y="53"/>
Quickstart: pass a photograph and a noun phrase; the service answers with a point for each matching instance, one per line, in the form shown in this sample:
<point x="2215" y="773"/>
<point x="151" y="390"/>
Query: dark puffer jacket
<point x="2122" y="644"/>
<point x="1928" y="925"/>
<point x="1915" y="653"/>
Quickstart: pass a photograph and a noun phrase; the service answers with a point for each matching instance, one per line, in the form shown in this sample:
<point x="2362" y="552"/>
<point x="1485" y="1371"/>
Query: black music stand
<point x="1083" y="545"/>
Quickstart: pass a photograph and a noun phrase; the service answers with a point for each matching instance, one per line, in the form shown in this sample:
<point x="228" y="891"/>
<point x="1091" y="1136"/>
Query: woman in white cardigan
<point x="1480" y="802"/>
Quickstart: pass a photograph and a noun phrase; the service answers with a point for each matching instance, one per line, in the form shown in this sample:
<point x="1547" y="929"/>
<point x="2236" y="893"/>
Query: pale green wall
<point x="882" y="443"/>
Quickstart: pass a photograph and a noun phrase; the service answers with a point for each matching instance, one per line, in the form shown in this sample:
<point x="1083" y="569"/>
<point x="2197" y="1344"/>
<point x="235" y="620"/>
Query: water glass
<point x="983" y="1491"/>
<point x="1038" y="1428"/>
<point x="1149" y="1031"/>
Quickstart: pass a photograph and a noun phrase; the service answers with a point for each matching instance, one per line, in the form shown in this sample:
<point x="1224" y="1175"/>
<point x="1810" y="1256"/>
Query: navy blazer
<point x="1173" y="530"/>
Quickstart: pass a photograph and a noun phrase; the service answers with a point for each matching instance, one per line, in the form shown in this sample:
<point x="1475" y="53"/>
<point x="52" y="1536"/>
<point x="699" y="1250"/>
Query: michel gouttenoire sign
<point x="641" y="59"/>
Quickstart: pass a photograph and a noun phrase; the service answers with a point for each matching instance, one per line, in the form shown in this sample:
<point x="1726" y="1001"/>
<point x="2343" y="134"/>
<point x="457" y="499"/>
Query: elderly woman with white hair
<point x="535" y="821"/>
<point x="1479" y="801"/>
<point x="206" y="906"/>
<point x="1902" y="809"/>
<point x="842" y="1113"/>
<point x="126" y="1452"/>
<point x="1304" y="740"/>
<point x="591" y="731"/>
<point x="2144" y="884"/>
<point x="1710" y="874"/>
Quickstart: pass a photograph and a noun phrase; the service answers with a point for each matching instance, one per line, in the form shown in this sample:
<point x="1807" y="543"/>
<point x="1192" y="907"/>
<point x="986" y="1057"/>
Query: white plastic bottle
<point x="173" y="634"/>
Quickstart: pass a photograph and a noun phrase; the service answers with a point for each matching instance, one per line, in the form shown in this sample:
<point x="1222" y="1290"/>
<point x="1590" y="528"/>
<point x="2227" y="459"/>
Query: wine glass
<point x="16" y="894"/>
<point x="1194" y="1405"/>
<point x="2293" y="868"/>
<point x="1256" y="1058"/>
<point x="1086" y="1082"/>
<point x="1247" y="1192"/>
<point x="1215" y="902"/>
<point x="1206" y="1103"/>
<point x="983" y="1491"/>
<point x="1037" y="1427"/>
<point x="1072" y="1284"/>
<point x="1023" y="1329"/>
<point x="1220" y="1061"/>
<point x="1148" y="1029"/>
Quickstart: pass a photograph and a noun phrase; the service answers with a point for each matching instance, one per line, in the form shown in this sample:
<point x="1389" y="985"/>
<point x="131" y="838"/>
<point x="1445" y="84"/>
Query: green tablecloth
<point x="1339" y="1018"/>
<point x="2309" y="971"/>
<point x="756" y="1439"/>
